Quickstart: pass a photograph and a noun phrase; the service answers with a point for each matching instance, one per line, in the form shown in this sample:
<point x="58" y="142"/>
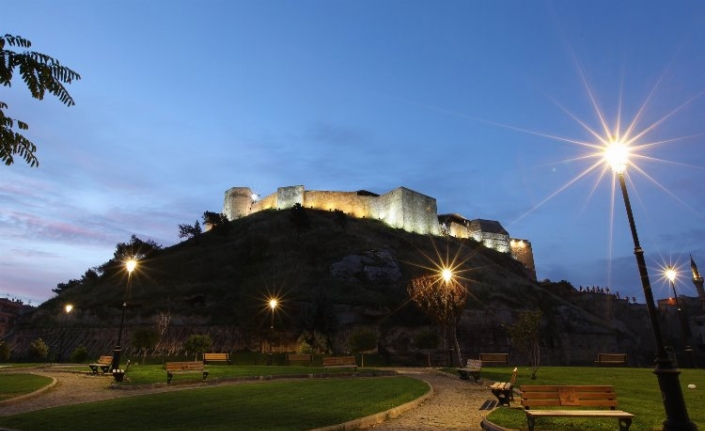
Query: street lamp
<point x="273" y="303"/>
<point x="130" y="265"/>
<point x="617" y="155"/>
<point x="685" y="329"/>
<point x="67" y="310"/>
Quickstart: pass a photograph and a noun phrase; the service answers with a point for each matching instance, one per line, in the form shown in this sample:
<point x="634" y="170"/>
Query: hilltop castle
<point x="400" y="208"/>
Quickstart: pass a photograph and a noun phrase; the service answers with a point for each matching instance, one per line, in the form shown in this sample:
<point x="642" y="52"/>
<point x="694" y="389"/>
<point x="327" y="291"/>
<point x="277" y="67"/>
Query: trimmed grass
<point x="147" y="374"/>
<point x="275" y="406"/>
<point x="637" y="392"/>
<point x="15" y="385"/>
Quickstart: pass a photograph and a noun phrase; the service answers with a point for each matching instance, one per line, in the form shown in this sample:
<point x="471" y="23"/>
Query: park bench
<point x="572" y="399"/>
<point x="216" y="357"/>
<point x="494" y="358"/>
<point x="103" y="363"/>
<point x="472" y="368"/>
<point x="305" y="358"/>
<point x="339" y="361"/>
<point x="611" y="359"/>
<point x="504" y="391"/>
<point x="184" y="367"/>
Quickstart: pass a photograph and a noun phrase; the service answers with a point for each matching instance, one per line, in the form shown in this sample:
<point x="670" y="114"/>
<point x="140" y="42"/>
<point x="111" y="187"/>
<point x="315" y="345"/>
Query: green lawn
<point x="275" y="406"/>
<point x="14" y="385"/>
<point x="637" y="391"/>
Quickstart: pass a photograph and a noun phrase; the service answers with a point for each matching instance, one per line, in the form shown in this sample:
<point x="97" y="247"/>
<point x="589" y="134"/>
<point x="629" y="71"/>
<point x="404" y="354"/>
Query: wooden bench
<point x="216" y="357"/>
<point x="504" y="391"/>
<point x="494" y="358"/>
<point x="572" y="397"/>
<point x="103" y="363"/>
<point x="184" y="367"/>
<point x="340" y="361"/>
<point x="305" y="358"/>
<point x="472" y="368"/>
<point x="611" y="359"/>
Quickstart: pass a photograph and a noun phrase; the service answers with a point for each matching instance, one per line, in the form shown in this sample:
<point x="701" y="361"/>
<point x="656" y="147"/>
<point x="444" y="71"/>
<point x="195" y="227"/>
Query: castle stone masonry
<point x="400" y="208"/>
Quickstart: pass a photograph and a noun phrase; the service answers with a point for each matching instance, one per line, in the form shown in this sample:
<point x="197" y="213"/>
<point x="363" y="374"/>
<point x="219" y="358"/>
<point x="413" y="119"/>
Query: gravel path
<point x="455" y="404"/>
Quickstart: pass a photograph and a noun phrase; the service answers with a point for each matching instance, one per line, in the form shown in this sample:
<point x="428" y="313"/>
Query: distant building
<point x="400" y="208"/>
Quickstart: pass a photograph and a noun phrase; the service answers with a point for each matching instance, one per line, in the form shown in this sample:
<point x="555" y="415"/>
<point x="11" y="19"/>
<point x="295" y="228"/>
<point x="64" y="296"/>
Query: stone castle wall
<point x="400" y="208"/>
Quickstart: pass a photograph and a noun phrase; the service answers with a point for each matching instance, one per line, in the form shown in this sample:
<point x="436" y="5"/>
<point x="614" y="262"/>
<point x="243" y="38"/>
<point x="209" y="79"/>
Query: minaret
<point x="697" y="279"/>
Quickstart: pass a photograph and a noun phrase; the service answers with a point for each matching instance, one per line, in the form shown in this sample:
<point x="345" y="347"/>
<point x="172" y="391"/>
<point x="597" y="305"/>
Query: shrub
<point x="198" y="344"/>
<point x="38" y="350"/>
<point x="4" y="352"/>
<point x="79" y="354"/>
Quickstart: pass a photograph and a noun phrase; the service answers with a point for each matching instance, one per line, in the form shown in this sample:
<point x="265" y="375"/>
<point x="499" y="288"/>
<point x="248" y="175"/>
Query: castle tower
<point x="238" y="202"/>
<point x="697" y="279"/>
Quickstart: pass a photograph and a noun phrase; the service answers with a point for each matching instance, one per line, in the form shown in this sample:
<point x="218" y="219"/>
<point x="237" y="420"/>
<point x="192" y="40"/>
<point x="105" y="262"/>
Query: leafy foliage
<point x="299" y="219"/>
<point x="4" y="352"/>
<point x="188" y="231"/>
<point x="41" y="74"/>
<point x="427" y="340"/>
<point x="198" y="344"/>
<point x="362" y="339"/>
<point x="79" y="354"/>
<point x="39" y="350"/>
<point x="442" y="301"/>
<point x="145" y="339"/>
<point x="525" y="334"/>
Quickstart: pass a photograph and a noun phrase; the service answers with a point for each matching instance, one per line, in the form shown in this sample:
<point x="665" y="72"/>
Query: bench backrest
<point x="611" y="357"/>
<point x="216" y="356"/>
<point x="494" y="357"/>
<point x="568" y="396"/>
<point x="329" y="361"/>
<point x="105" y="359"/>
<point x="473" y="363"/>
<point x="184" y="366"/>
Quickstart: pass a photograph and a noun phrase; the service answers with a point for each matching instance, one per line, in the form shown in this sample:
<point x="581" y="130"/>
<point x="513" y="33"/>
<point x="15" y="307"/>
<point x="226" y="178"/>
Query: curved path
<point x="455" y="404"/>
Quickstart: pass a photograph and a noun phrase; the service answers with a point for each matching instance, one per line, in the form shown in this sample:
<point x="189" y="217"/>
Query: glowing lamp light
<point x="130" y="265"/>
<point x="617" y="155"/>
<point x="68" y="308"/>
<point x="671" y="274"/>
<point x="254" y="197"/>
<point x="447" y="274"/>
<point x="273" y="303"/>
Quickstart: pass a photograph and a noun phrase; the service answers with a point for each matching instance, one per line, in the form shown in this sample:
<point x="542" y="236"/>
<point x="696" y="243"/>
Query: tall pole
<point x="666" y="373"/>
<point x="685" y="330"/>
<point x="130" y="265"/>
<point x="67" y="309"/>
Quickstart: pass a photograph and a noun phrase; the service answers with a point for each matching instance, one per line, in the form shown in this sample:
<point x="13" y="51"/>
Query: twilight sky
<point x="479" y="104"/>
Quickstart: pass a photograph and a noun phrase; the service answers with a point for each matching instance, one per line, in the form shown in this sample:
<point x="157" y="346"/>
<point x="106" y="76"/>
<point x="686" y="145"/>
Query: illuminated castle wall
<point x="400" y="208"/>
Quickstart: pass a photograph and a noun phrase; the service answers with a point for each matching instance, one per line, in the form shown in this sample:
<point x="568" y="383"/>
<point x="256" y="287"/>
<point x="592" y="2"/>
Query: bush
<point x="79" y="355"/>
<point x="197" y="344"/>
<point x="38" y="350"/>
<point x="4" y="352"/>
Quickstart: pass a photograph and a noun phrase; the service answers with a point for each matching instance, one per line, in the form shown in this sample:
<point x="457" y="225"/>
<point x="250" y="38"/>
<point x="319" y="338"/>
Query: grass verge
<point x="637" y="392"/>
<point x="275" y="406"/>
<point x="15" y="385"/>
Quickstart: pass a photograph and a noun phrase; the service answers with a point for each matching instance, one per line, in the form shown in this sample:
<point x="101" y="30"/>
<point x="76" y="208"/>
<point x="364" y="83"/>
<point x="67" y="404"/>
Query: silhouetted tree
<point x="41" y="74"/>
<point x="144" y="339"/>
<point x="299" y="219"/>
<point x="218" y="222"/>
<point x="38" y="350"/>
<point x="427" y="340"/>
<point x="361" y="340"/>
<point x="198" y="344"/>
<point x="188" y="231"/>
<point x="341" y="219"/>
<point x="525" y="334"/>
<point x="443" y="302"/>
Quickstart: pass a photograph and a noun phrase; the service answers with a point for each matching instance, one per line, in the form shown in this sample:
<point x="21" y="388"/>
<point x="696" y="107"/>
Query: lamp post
<point x="130" y="266"/>
<point x="616" y="154"/>
<point x="685" y="329"/>
<point x="67" y="310"/>
<point x="273" y="302"/>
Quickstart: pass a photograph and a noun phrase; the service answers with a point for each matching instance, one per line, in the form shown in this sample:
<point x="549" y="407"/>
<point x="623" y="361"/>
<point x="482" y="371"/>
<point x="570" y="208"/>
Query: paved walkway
<point x="455" y="404"/>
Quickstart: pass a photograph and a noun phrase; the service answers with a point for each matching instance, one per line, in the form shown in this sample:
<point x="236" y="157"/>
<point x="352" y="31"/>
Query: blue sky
<point x="474" y="103"/>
